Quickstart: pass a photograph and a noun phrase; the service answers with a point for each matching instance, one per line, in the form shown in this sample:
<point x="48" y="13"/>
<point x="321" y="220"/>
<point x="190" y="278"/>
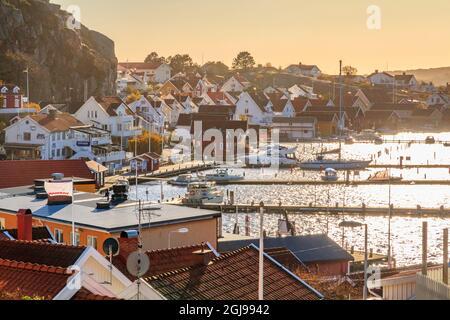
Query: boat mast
<point x="340" y="110"/>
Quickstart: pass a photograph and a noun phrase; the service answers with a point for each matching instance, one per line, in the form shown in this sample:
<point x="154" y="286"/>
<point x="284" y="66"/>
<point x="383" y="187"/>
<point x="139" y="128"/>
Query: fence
<point x="431" y="287"/>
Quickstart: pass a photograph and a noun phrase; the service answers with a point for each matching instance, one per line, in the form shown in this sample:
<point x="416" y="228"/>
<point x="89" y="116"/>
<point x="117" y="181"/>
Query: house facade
<point x="151" y="72"/>
<point x="111" y="114"/>
<point x="381" y="78"/>
<point x="252" y="108"/>
<point x="235" y="84"/>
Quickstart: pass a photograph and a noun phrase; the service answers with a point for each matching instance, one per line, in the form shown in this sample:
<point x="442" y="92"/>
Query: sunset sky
<point x="414" y="33"/>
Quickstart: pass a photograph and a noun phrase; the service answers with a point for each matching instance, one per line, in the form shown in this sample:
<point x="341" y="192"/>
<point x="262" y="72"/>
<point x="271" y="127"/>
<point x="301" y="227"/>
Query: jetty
<point x="362" y="210"/>
<point x="272" y="182"/>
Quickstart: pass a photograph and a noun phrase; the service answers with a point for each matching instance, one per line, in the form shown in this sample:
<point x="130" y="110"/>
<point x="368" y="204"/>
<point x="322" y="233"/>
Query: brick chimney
<point x="24" y="225"/>
<point x="203" y="256"/>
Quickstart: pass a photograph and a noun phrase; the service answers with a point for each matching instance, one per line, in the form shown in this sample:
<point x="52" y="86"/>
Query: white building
<point x="111" y="114"/>
<point x="154" y="72"/>
<point x="437" y="99"/>
<point x="304" y="70"/>
<point x="298" y="128"/>
<point x="150" y="110"/>
<point x="236" y="83"/>
<point x="60" y="136"/>
<point x="381" y="78"/>
<point x="252" y="107"/>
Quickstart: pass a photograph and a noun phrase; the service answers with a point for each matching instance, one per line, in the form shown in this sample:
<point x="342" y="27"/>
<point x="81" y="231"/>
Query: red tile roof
<point x="58" y="122"/>
<point x="161" y="261"/>
<point x="17" y="173"/>
<point x="110" y="104"/>
<point x="233" y="276"/>
<point x="20" y="279"/>
<point x="40" y="253"/>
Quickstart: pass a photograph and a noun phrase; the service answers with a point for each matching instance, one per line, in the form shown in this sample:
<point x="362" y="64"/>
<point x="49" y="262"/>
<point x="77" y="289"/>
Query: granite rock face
<point x="63" y="60"/>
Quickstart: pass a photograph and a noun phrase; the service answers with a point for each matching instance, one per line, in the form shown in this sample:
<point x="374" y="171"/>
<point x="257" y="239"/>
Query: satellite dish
<point x="111" y="247"/>
<point x="138" y="264"/>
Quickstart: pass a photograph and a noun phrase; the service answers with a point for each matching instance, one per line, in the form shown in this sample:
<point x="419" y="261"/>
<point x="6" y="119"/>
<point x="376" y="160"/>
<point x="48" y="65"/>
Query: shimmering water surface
<point x="406" y="231"/>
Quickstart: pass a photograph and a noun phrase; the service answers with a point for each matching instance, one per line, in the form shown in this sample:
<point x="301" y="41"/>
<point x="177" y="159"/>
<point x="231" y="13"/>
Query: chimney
<point x="376" y="71"/>
<point x="404" y="73"/>
<point x="52" y="113"/>
<point x="24" y="225"/>
<point x="203" y="255"/>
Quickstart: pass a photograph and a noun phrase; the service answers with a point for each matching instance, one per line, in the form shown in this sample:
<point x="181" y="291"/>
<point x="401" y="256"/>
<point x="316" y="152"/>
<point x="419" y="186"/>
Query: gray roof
<point x="308" y="249"/>
<point x="116" y="219"/>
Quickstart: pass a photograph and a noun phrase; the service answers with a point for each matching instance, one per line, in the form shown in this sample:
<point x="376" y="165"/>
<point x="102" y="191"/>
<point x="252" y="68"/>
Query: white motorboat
<point x="183" y="180"/>
<point x="330" y="175"/>
<point x="321" y="163"/>
<point x="223" y="175"/>
<point x="203" y="192"/>
<point x="273" y="155"/>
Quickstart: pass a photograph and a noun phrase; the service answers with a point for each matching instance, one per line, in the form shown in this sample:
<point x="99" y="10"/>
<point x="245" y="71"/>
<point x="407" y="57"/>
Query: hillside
<point x="34" y="34"/>
<point x="439" y="76"/>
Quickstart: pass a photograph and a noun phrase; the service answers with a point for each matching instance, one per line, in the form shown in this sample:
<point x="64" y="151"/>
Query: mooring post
<point x="424" y="248"/>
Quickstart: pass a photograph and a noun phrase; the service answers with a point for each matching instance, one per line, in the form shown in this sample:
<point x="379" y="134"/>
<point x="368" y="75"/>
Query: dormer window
<point x="4" y="90"/>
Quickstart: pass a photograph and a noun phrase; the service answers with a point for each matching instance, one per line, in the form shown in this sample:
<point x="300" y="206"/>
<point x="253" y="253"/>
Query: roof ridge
<point x="33" y="267"/>
<point x="174" y="248"/>
<point x="37" y="243"/>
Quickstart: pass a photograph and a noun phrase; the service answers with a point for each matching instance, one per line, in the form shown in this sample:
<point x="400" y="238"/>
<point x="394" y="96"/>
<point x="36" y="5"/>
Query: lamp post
<point x="354" y="224"/>
<point x="181" y="231"/>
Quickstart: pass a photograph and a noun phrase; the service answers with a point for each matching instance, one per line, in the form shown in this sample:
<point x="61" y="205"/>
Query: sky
<point x="412" y="34"/>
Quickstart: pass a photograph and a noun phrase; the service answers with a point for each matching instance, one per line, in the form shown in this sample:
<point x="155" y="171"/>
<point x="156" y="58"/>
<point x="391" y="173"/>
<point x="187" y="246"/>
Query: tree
<point x="154" y="58"/>
<point x="217" y="68"/>
<point x="180" y="62"/>
<point x="349" y="70"/>
<point x="243" y="61"/>
<point x="142" y="143"/>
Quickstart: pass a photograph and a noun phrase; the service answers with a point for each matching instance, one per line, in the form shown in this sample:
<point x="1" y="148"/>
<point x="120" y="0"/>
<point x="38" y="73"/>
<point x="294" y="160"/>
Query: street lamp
<point x="181" y="230"/>
<point x="354" y="224"/>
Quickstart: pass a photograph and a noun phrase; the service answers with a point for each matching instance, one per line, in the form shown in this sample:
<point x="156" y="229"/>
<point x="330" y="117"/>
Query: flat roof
<point x="116" y="219"/>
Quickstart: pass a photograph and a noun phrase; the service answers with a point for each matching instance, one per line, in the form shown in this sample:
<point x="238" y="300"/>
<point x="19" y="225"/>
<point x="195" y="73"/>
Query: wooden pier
<point x="274" y="182"/>
<point x="418" y="212"/>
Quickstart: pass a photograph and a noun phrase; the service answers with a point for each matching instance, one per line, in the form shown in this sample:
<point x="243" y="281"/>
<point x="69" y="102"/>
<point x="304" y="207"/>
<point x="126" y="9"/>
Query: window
<point x="92" y="242"/>
<point x="77" y="239"/>
<point x="58" y="152"/>
<point x="119" y="127"/>
<point x="27" y="136"/>
<point x="41" y="136"/>
<point x="2" y="224"/>
<point x="95" y="114"/>
<point x="59" y="236"/>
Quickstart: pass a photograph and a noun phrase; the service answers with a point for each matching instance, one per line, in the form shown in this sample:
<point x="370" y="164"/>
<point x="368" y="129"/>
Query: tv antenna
<point x="111" y="248"/>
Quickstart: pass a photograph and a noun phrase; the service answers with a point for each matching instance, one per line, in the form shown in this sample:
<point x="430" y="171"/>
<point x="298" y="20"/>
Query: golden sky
<point x="413" y="34"/>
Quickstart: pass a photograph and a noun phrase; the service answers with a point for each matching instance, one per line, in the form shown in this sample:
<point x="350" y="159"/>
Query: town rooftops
<point x="38" y="234"/>
<point x="320" y="116"/>
<point x="294" y="120"/>
<point x="306" y="67"/>
<point x="119" y="218"/>
<point x="56" y="121"/>
<point x="41" y="253"/>
<point x="217" y="109"/>
<point x="17" y="173"/>
<point x="308" y="249"/>
<point x="233" y="276"/>
<point x="110" y="105"/>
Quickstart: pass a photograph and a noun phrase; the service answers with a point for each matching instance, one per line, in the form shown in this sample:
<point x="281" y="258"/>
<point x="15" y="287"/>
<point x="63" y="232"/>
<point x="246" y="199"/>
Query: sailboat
<point x="341" y="164"/>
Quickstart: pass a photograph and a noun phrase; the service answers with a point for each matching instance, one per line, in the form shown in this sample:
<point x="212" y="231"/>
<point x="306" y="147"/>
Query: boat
<point x="367" y="134"/>
<point x="379" y="140"/>
<point x="223" y="175"/>
<point x="321" y="163"/>
<point x="183" y="180"/>
<point x="203" y="192"/>
<point x="330" y="175"/>
<point x="383" y="176"/>
<point x="430" y="140"/>
<point x="273" y="155"/>
<point x="447" y="144"/>
<point x="349" y="140"/>
<point x="340" y="164"/>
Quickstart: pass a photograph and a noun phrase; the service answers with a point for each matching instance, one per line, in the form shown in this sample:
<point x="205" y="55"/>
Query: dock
<point x="363" y="210"/>
<point x="273" y="182"/>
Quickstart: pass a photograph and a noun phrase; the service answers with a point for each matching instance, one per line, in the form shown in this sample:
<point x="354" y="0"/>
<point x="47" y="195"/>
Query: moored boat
<point x="203" y="192"/>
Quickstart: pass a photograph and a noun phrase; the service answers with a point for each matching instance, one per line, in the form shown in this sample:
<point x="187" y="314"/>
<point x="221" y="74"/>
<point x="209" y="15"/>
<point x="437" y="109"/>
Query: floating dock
<point x="339" y="182"/>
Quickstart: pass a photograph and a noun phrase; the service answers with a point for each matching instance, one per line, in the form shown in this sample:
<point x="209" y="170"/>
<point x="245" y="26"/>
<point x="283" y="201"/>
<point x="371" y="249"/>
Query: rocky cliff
<point x="62" y="60"/>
